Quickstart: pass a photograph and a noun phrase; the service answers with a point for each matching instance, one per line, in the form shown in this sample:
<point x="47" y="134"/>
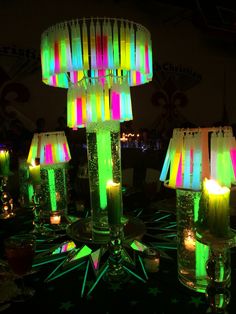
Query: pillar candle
<point x="34" y="172"/>
<point x="218" y="215"/>
<point x="114" y="203"/>
<point x="4" y="163"/>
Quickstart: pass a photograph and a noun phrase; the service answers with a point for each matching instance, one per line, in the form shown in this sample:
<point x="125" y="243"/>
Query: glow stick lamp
<point x="52" y="149"/>
<point x="98" y="60"/>
<point x="188" y="161"/>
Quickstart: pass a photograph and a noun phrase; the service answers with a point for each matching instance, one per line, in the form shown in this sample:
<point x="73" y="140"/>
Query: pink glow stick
<point x="57" y="57"/>
<point x="79" y="114"/>
<point x="179" y="179"/>
<point x="48" y="154"/>
<point x="138" y="77"/>
<point x="115" y="105"/>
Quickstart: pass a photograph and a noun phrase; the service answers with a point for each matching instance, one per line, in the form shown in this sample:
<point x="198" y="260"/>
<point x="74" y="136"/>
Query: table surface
<point x="161" y="293"/>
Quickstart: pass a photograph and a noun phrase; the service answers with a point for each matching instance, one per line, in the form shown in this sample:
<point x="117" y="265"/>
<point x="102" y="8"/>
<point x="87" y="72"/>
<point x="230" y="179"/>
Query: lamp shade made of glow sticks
<point x="96" y="47"/>
<point x="98" y="103"/>
<point x="50" y="148"/>
<point x="190" y="159"/>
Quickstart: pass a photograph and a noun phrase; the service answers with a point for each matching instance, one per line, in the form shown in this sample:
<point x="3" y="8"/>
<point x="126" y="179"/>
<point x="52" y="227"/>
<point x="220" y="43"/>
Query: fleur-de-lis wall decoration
<point x="171" y="82"/>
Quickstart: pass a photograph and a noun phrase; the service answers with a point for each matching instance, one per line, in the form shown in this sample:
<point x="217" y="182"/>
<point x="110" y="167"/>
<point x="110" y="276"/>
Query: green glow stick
<point x="132" y="273"/>
<point x="143" y="268"/>
<point x="99" y="277"/>
<point x="201" y="250"/>
<point x="104" y="163"/>
<point x="65" y="272"/>
<point x="85" y="278"/>
<point x="52" y="189"/>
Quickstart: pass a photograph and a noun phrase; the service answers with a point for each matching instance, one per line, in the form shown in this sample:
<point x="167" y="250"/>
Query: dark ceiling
<point x="218" y="16"/>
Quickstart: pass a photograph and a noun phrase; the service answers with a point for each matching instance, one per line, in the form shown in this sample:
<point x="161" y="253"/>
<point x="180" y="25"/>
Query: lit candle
<point x="55" y="218"/>
<point x="218" y="214"/>
<point x="34" y="172"/>
<point x="114" y="203"/>
<point x="4" y="162"/>
<point x="189" y="240"/>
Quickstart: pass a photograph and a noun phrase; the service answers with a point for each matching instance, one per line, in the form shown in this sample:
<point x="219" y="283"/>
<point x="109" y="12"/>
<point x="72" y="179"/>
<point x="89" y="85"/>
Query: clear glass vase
<point x="104" y="164"/>
<point x="191" y="254"/>
<point x="53" y="191"/>
<point x="26" y="189"/>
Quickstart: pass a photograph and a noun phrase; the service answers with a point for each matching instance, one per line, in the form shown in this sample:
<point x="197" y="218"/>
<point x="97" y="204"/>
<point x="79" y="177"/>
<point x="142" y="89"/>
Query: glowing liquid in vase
<point x="104" y="164"/>
<point x="54" y="188"/>
<point x="191" y="254"/>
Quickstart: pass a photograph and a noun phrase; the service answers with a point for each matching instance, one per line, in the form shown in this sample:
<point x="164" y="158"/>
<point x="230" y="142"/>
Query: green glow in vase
<point x="26" y="190"/>
<point x="191" y="254"/>
<point x="54" y="188"/>
<point x="104" y="164"/>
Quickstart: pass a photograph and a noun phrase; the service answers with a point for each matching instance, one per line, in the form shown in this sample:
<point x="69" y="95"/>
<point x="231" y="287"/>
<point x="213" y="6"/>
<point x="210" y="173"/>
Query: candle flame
<point x="213" y="187"/>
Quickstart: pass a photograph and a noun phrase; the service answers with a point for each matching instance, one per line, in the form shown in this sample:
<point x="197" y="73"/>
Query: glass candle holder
<point x="55" y="218"/>
<point x="191" y="254"/>
<point x="218" y="268"/>
<point x="104" y="164"/>
<point x="6" y="201"/>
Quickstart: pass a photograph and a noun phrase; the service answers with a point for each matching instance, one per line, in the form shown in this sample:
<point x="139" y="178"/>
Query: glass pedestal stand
<point x="118" y="263"/>
<point x="115" y="271"/>
<point x="6" y="201"/>
<point x="218" y="269"/>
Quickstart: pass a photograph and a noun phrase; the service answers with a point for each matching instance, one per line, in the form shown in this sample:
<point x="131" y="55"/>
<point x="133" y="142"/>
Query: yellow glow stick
<point x="93" y="46"/>
<point x="106" y="103"/>
<point x="127" y="46"/>
<point x="85" y="46"/>
<point x="98" y="102"/>
<point x="122" y="46"/>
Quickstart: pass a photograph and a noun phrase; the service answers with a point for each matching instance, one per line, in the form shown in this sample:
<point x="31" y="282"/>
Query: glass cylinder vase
<point x="53" y="190"/>
<point x="191" y="254"/>
<point x="26" y="189"/>
<point x="104" y="164"/>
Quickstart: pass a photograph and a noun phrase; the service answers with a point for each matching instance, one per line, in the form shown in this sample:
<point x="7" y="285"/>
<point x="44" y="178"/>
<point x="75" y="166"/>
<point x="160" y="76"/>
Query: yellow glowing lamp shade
<point x="98" y="103"/>
<point x="111" y="47"/>
<point x="199" y="153"/>
<point x="50" y="147"/>
<point x="4" y="161"/>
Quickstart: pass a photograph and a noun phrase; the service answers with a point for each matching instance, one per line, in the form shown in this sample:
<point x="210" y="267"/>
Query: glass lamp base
<point x="190" y="281"/>
<point x="7" y="215"/>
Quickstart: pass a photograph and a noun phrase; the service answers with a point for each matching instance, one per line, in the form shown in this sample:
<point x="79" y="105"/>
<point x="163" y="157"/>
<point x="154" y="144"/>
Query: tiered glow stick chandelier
<point x="98" y="59"/>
